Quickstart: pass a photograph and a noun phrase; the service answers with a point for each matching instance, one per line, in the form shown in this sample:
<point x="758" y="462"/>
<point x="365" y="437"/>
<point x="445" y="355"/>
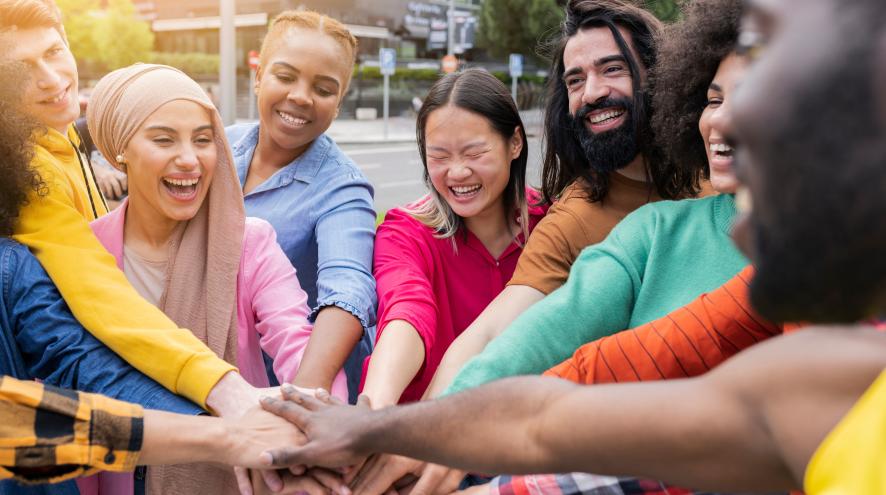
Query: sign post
<point x="387" y="59"/>
<point x="253" y="66"/>
<point x="516" y="68"/>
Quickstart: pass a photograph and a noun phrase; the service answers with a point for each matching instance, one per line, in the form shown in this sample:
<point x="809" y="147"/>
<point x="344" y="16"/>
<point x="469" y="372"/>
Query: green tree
<point x="106" y="39"/>
<point x="517" y="26"/>
<point x="666" y="10"/>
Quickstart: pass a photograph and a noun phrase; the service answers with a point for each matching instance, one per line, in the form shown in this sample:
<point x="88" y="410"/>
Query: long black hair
<point x="564" y="159"/>
<point x="477" y="91"/>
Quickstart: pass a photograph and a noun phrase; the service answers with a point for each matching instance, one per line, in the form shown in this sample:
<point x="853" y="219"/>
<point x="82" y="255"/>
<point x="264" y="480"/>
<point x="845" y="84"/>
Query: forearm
<point x="176" y="439"/>
<point x="333" y="337"/>
<point x="500" y="313"/>
<point x="398" y="355"/>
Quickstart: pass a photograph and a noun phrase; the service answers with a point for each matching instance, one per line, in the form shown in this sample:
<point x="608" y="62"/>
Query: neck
<point x="269" y="154"/>
<point x="493" y="229"/>
<point x="146" y="231"/>
<point x="636" y="170"/>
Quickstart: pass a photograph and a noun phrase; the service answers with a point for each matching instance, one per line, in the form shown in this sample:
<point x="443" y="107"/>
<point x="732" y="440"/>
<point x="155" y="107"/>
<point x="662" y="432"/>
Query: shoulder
<point x="18" y="263"/>
<point x="400" y="220"/>
<point x="337" y="161"/>
<point x="236" y="131"/>
<point x="257" y="232"/>
<point x="669" y="211"/>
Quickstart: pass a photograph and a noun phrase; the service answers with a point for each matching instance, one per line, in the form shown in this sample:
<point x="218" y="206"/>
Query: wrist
<point x="231" y="396"/>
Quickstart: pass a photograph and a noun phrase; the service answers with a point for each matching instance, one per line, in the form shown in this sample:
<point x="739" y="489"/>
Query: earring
<point x="121" y="164"/>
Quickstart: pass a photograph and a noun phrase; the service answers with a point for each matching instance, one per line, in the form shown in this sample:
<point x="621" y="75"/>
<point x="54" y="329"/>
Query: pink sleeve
<point x="279" y="304"/>
<point x="403" y="269"/>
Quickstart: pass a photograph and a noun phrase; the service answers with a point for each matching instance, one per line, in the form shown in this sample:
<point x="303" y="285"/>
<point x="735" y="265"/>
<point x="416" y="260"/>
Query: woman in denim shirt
<point x="298" y="179"/>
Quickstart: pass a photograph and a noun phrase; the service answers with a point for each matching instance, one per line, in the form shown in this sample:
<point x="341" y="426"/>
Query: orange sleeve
<point x="687" y="342"/>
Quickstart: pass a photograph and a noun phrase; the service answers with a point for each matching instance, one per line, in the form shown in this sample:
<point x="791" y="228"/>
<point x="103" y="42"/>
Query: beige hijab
<point x="204" y="257"/>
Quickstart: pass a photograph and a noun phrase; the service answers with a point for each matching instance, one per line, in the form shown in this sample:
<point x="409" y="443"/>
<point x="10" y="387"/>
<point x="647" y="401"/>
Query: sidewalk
<point x="402" y="129"/>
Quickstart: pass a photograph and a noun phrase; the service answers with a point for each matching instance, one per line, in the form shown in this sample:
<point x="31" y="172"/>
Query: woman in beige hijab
<point x="183" y="241"/>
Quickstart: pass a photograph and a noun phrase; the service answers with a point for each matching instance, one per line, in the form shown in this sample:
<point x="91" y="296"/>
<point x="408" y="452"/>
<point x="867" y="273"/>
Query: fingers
<point x="437" y="479"/>
<point x="308" y="402"/>
<point x="272" y="479"/>
<point x="331" y="481"/>
<point x="303" y="485"/>
<point x="288" y="456"/>
<point x="363" y="401"/>
<point x="243" y="481"/>
<point x="381" y="475"/>
<point x="324" y="396"/>
<point x="287" y="410"/>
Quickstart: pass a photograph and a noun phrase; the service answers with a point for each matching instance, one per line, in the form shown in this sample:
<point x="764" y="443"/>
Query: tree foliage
<point x="106" y="39"/>
<point x="517" y="26"/>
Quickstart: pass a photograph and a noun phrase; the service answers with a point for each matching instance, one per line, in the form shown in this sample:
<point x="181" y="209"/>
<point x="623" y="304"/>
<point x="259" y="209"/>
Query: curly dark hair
<point x="688" y="56"/>
<point x="16" y="149"/>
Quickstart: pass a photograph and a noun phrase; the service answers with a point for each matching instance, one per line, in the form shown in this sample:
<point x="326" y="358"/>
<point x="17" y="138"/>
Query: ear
<point x="516" y="143"/>
<point x="256" y="85"/>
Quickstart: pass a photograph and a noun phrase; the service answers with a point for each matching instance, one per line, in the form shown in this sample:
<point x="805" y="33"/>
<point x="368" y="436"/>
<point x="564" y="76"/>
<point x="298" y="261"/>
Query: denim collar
<point x="303" y="169"/>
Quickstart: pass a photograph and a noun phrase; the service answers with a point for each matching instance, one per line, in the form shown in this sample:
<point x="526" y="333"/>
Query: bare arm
<point x="396" y="360"/>
<point x="735" y="428"/>
<point x="334" y="336"/>
<point x="503" y="310"/>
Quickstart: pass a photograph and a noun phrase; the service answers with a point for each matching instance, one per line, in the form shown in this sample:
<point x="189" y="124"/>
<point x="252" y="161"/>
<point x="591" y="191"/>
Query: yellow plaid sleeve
<point x="50" y="435"/>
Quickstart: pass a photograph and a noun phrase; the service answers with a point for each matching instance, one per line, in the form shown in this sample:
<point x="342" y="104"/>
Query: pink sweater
<point x="272" y="315"/>
<point x="439" y="291"/>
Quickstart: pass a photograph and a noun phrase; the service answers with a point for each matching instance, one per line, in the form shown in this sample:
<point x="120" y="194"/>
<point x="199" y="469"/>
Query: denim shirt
<point x="40" y="338"/>
<point x="320" y="204"/>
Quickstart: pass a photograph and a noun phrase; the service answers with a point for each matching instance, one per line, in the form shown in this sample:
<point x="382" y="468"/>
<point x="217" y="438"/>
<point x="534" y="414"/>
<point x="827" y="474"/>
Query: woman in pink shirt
<point x="185" y="244"/>
<point x="439" y="261"/>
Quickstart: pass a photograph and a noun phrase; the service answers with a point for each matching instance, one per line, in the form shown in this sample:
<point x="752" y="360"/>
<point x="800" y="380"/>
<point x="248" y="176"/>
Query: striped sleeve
<point x="49" y="434"/>
<point x="687" y="342"/>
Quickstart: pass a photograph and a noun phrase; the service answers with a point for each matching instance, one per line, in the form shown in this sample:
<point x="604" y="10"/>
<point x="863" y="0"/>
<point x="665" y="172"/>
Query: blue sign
<point x="516" y="65"/>
<point x="387" y="59"/>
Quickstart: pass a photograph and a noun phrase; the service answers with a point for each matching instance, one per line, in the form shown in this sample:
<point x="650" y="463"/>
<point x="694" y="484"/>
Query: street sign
<point x="516" y="65"/>
<point x="253" y="59"/>
<point x="449" y="64"/>
<point x="387" y="59"/>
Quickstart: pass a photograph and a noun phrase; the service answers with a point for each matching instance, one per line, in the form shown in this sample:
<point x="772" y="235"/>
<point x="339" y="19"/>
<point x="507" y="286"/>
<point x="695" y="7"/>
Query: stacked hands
<point x="307" y="441"/>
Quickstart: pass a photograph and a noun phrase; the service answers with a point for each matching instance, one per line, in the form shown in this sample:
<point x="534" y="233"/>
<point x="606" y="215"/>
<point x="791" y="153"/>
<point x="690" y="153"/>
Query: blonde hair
<point x="27" y="14"/>
<point x="308" y="19"/>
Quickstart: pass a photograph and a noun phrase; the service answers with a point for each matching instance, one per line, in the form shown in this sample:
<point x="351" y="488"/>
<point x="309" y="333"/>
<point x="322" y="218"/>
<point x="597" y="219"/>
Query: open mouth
<point x="605" y="117"/>
<point x="184" y="189"/>
<point x="54" y="100"/>
<point x="721" y="150"/>
<point x="465" y="191"/>
<point x="292" y="119"/>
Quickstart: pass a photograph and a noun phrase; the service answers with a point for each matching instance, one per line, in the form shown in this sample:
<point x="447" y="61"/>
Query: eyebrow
<point x="597" y="63"/>
<point x="173" y="131"/>
<point x="715" y="87"/>
<point x="320" y="76"/>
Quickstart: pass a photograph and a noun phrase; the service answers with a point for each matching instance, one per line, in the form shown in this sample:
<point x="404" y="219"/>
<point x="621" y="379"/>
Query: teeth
<point x="611" y="114"/>
<point x="465" y="189"/>
<point x="292" y="119"/>
<point x="182" y="182"/>
<point x="720" y="148"/>
<point x="743" y="201"/>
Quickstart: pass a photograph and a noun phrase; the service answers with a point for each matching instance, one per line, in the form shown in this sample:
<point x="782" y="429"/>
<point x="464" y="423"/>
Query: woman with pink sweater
<point x="183" y="241"/>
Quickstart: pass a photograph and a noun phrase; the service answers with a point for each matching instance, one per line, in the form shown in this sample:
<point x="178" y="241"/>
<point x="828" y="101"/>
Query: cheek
<point x="704" y="126"/>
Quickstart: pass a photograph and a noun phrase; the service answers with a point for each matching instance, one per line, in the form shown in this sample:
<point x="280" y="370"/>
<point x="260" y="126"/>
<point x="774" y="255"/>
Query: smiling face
<point x="300" y="87"/>
<point x="811" y="150"/>
<point x="50" y="96"/>
<point x="600" y="89"/>
<point x="171" y="160"/>
<point x="714" y="120"/>
<point x="469" y="163"/>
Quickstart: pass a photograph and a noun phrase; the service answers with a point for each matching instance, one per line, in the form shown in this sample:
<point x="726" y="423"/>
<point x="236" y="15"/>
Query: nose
<point x="299" y="94"/>
<point x="721" y="119"/>
<point x="594" y="91"/>
<point x="459" y="172"/>
<point x="187" y="158"/>
<point x="47" y="76"/>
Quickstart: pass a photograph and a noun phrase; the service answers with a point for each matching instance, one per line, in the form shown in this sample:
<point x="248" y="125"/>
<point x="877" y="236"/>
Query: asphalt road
<point x="395" y="170"/>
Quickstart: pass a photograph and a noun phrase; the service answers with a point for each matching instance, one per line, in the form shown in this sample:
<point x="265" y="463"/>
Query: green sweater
<point x="657" y="259"/>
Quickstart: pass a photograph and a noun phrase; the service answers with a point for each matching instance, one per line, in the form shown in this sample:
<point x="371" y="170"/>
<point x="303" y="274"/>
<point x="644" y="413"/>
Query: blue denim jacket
<point x="40" y="338"/>
<point x="321" y="207"/>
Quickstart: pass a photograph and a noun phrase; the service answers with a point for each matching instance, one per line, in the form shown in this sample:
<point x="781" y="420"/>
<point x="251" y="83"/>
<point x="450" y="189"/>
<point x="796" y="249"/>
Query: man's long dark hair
<point x="564" y="159"/>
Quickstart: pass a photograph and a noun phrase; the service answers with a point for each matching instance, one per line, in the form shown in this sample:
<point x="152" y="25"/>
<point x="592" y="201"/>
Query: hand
<point x="438" y="479"/>
<point x="112" y="182"/>
<point x="475" y="490"/>
<point x="332" y="430"/>
<point x="383" y="472"/>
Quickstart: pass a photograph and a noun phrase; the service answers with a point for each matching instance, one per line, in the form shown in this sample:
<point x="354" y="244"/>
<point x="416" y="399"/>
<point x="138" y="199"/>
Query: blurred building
<point x="417" y="29"/>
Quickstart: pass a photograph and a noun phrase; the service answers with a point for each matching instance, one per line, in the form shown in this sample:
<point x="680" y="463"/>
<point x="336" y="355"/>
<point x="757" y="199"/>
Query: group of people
<point x="246" y="257"/>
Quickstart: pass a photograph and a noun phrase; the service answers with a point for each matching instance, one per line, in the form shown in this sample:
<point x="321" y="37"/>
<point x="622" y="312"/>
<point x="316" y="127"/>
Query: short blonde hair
<point x="308" y="19"/>
<point x="27" y="14"/>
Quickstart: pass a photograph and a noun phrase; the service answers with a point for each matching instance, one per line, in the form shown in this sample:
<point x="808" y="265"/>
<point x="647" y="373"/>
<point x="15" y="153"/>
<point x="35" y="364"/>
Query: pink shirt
<point x="272" y="311"/>
<point x="440" y="291"/>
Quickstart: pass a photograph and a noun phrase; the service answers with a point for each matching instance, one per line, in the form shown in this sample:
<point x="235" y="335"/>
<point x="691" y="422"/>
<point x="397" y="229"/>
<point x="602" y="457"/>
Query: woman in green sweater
<point x="664" y="254"/>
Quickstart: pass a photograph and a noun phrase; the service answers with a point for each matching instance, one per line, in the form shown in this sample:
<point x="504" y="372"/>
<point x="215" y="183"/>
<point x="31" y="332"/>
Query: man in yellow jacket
<point x="54" y="225"/>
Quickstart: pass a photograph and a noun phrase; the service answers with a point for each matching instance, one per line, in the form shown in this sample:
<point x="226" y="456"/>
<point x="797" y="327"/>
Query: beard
<point x="818" y="225"/>
<point x="611" y="150"/>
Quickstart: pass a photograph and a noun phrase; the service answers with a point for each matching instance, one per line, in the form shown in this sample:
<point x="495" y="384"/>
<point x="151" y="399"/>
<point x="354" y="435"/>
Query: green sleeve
<point x="596" y="301"/>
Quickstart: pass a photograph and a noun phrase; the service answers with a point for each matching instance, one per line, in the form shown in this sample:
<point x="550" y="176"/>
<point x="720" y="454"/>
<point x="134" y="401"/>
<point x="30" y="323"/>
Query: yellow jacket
<point x="55" y="227"/>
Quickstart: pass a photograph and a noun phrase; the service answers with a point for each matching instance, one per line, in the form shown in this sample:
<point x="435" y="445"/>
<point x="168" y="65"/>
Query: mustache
<point x="610" y="102"/>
